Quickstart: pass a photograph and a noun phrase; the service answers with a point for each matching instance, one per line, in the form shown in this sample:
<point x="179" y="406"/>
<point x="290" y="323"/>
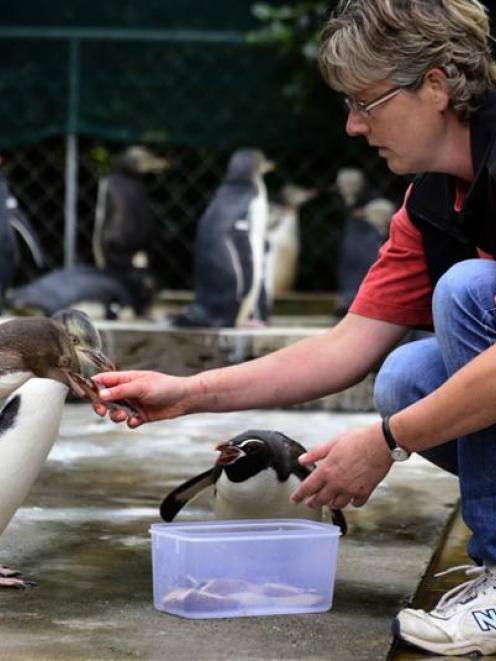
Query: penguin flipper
<point x="185" y="492"/>
<point x="20" y="223"/>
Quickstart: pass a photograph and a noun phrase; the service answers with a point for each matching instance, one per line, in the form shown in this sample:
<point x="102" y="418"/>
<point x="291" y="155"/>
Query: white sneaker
<point x="463" y="622"/>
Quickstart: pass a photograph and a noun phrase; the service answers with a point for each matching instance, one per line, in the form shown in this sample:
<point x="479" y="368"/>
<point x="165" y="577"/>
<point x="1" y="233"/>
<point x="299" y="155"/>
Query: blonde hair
<point x="366" y="41"/>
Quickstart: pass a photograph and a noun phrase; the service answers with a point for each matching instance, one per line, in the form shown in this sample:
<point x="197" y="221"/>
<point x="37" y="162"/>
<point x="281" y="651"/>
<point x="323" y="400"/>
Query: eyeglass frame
<point x="365" y="108"/>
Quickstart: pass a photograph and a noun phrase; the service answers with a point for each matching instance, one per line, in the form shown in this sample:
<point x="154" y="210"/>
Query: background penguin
<point x="76" y="286"/>
<point x="122" y="236"/>
<point x="254" y="477"/>
<point x="366" y="227"/>
<point x="123" y="229"/>
<point x="64" y="352"/>
<point x="7" y="242"/>
<point x="230" y="245"/>
<point x="18" y="239"/>
<point x="283" y="240"/>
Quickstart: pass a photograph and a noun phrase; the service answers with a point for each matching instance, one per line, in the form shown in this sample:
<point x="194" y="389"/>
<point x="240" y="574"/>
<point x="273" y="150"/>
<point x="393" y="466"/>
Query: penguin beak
<point x="83" y="387"/>
<point x="228" y="453"/>
<point x="267" y="166"/>
<point x="96" y="359"/>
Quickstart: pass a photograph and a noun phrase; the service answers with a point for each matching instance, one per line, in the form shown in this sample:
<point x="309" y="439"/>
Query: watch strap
<point x="388" y="435"/>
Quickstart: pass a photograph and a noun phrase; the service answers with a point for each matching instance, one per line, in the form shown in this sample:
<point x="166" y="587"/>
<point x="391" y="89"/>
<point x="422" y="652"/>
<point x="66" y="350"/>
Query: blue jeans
<point x="465" y="324"/>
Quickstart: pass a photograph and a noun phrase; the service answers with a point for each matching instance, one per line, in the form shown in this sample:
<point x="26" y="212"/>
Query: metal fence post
<point x="71" y="157"/>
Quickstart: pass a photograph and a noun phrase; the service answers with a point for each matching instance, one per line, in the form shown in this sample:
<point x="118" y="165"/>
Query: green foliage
<point x="294" y="28"/>
<point x="294" y="31"/>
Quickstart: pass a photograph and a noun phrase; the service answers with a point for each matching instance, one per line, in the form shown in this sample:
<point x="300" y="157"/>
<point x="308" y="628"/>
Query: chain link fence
<point x="72" y="100"/>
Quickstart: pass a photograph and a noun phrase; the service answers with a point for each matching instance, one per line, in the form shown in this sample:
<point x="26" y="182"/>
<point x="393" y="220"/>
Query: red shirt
<point x="398" y="286"/>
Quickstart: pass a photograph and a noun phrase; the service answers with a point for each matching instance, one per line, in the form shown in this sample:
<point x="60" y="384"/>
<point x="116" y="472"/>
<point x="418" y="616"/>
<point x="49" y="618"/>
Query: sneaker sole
<point x="451" y="649"/>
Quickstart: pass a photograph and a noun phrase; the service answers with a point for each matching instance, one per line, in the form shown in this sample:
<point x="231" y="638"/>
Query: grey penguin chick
<point x="53" y="348"/>
<point x="40" y="359"/>
<point x="254" y="477"/>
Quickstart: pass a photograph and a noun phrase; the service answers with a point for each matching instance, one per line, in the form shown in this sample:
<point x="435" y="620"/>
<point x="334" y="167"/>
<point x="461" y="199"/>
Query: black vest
<point x="449" y="237"/>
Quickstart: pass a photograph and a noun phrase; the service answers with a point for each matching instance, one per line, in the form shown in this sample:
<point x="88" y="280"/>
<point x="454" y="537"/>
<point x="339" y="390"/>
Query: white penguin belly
<point x="11" y="381"/>
<point x="25" y="444"/>
<point x="262" y="496"/>
<point x="257" y="220"/>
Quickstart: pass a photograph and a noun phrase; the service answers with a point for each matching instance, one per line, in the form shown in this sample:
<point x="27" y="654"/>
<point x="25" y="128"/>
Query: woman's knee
<point x="409" y="373"/>
<point x="467" y="288"/>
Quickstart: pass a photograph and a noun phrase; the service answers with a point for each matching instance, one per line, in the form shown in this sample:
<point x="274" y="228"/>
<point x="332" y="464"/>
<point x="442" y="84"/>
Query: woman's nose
<point x="356" y="124"/>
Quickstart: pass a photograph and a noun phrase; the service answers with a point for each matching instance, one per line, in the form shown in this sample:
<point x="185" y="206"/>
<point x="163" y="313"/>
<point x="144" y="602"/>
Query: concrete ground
<point x="83" y="536"/>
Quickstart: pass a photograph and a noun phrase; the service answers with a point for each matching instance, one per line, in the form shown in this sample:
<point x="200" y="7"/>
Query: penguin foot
<point x="12" y="578"/>
<point x="339" y="520"/>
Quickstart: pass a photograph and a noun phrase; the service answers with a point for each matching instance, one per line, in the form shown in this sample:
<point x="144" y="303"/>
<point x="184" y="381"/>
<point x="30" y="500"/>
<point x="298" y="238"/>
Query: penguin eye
<point x="76" y="340"/>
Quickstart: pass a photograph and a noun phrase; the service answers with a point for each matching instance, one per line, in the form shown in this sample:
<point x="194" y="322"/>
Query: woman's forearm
<point x="306" y="370"/>
<point x="464" y="404"/>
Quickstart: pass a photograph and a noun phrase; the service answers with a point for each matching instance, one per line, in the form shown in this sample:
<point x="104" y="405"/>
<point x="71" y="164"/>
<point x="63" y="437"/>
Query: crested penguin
<point x="40" y="359"/>
<point x="283" y="239"/>
<point x="230" y="246"/>
<point x="254" y="476"/>
<point x="123" y="229"/>
<point x="366" y="226"/>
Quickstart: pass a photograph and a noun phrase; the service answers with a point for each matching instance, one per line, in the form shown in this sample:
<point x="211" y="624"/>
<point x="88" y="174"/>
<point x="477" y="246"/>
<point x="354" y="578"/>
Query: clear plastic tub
<point x="217" y="569"/>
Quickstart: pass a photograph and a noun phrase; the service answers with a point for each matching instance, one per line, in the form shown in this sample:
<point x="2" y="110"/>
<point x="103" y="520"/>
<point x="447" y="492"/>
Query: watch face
<point x="398" y="454"/>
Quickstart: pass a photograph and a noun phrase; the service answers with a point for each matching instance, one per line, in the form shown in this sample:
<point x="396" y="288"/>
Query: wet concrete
<point x="83" y="536"/>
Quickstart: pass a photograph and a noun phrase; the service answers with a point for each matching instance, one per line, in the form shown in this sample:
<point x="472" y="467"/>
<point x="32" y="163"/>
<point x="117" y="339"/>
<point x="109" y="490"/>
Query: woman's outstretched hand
<point x="145" y="396"/>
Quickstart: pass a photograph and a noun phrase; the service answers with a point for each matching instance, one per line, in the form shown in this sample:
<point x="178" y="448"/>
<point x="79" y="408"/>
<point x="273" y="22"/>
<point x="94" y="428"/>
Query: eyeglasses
<point x="365" y="108"/>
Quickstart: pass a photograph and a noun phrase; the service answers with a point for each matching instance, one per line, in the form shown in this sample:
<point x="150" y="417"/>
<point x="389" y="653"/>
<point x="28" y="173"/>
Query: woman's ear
<point x="436" y="86"/>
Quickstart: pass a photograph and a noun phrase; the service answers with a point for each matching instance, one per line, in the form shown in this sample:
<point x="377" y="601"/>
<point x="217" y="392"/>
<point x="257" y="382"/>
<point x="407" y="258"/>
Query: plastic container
<point x="217" y="569"/>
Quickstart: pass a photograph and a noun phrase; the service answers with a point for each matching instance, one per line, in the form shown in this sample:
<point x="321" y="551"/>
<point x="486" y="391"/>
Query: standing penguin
<point x="123" y="229"/>
<point x="40" y="359"/>
<point x="283" y="239"/>
<point x="123" y="232"/>
<point x="254" y="477"/>
<point x="368" y="215"/>
<point x="230" y="245"/>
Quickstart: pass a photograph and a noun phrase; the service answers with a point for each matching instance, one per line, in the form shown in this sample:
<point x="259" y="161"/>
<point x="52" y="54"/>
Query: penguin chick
<point x="55" y="348"/>
<point x="254" y="477"/>
<point x="64" y="352"/>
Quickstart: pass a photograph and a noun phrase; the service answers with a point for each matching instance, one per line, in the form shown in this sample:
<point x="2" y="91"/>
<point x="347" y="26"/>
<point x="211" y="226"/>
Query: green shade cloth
<point x="154" y="71"/>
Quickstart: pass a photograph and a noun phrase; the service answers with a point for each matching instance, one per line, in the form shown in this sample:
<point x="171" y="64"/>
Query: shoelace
<point x="465" y="590"/>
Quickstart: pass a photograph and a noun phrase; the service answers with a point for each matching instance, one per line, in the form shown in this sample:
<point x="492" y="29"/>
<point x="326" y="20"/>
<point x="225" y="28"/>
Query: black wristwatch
<point x="397" y="453"/>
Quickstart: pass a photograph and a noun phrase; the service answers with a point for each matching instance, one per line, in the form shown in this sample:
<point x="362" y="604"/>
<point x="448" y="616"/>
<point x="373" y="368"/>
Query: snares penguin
<point x="368" y="215"/>
<point x="40" y="359"/>
<point x="123" y="218"/>
<point x="229" y="247"/>
<point x="254" y="477"/>
<point x="283" y="239"/>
